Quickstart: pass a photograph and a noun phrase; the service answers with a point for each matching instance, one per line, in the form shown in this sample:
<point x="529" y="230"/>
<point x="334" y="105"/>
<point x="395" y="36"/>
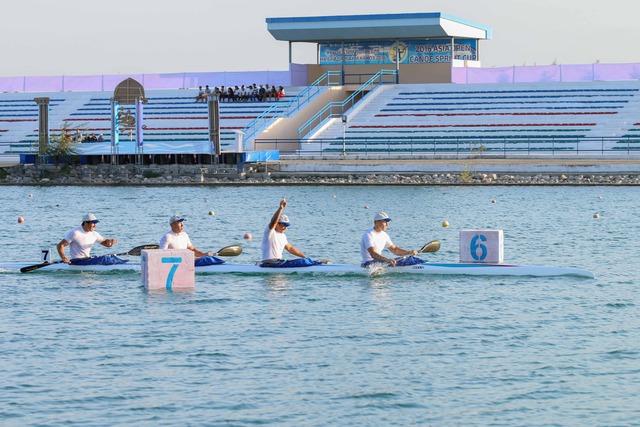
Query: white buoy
<point x="20" y="220"/>
<point x="596" y="215"/>
<point x="494" y="201"/>
<point x="212" y="213"/>
<point x="366" y="206"/>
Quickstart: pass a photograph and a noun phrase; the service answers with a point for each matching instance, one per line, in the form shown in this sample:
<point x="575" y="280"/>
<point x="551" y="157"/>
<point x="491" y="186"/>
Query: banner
<point x="408" y="52"/>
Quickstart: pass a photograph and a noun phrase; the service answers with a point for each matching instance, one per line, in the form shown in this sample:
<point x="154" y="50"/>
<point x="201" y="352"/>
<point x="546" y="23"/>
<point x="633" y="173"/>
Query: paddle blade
<point x="35" y="267"/>
<point x="138" y="249"/>
<point x="433" y="246"/>
<point x="233" y="250"/>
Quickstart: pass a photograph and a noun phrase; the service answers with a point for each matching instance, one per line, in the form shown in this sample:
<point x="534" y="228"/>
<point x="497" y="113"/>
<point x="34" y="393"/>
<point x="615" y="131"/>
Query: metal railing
<point x="424" y="147"/>
<point x="285" y="109"/>
<point x="337" y="109"/>
<point x="452" y="147"/>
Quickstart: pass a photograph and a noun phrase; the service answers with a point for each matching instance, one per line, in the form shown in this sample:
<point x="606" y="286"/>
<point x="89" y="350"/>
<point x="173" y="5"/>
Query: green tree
<point x="62" y="148"/>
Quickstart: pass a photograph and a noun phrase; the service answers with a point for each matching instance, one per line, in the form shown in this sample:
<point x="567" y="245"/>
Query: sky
<point x="90" y="37"/>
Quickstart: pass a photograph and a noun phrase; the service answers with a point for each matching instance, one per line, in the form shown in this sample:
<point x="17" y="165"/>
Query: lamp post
<point x="344" y="132"/>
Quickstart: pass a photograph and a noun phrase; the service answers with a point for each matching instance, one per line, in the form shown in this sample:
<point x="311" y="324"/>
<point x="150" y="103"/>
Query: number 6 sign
<point x="482" y="246"/>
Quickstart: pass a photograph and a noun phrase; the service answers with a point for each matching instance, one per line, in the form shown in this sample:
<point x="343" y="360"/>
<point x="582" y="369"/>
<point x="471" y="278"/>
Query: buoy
<point x="20" y="220"/>
<point x="248" y="236"/>
<point x="30" y="195"/>
<point x="599" y="197"/>
<point x="445" y="224"/>
<point x="212" y="213"/>
<point x="334" y="195"/>
<point x="596" y="216"/>
<point x="206" y="200"/>
<point x="366" y="206"/>
<point x="494" y="201"/>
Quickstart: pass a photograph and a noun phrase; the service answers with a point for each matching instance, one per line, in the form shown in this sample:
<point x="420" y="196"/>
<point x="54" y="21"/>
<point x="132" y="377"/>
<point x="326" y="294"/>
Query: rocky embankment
<point x="212" y="175"/>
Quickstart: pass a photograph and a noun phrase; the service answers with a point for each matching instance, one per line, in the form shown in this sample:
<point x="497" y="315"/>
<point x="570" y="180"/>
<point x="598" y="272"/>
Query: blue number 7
<point x="176" y="263"/>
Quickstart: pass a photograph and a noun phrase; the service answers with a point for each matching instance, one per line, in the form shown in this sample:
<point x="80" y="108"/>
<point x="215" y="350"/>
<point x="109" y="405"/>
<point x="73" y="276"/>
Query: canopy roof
<point x="375" y="27"/>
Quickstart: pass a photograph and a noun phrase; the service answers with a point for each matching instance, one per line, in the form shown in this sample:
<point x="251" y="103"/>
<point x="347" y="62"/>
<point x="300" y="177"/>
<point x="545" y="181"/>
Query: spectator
<point x="223" y="93"/>
<point x="273" y="94"/>
<point x="254" y="92"/>
<point x="100" y="138"/>
<point x="262" y="93"/>
<point x="231" y="94"/>
<point x="207" y="91"/>
<point x="280" y="93"/>
<point x="201" y="95"/>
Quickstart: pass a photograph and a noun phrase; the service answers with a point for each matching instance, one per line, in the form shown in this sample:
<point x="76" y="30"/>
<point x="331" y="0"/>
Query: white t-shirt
<point x="377" y="240"/>
<point x="172" y="240"/>
<point x="80" y="242"/>
<point x="273" y="244"/>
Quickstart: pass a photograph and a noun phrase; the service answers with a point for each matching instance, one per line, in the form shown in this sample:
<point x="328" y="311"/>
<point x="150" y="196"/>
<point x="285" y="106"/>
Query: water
<point x="96" y="349"/>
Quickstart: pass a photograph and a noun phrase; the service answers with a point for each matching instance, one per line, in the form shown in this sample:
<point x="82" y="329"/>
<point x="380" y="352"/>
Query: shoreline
<point x="412" y="172"/>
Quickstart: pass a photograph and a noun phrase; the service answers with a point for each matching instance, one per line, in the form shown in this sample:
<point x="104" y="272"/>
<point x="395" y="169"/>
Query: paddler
<point x="274" y="242"/>
<point x="376" y="239"/>
<point x="80" y="241"/>
<point x="177" y="238"/>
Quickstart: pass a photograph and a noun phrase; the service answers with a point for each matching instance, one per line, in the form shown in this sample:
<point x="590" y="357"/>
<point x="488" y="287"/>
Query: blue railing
<point x="285" y="109"/>
<point x="337" y="109"/>
<point x="504" y="147"/>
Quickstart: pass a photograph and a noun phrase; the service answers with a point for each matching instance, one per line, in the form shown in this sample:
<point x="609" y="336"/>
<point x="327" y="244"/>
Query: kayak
<point x="463" y="269"/>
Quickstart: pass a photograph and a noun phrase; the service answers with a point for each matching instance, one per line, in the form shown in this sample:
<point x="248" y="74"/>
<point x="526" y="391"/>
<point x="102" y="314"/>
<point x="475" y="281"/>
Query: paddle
<point x="133" y="252"/>
<point x="233" y="250"/>
<point x="432" y="246"/>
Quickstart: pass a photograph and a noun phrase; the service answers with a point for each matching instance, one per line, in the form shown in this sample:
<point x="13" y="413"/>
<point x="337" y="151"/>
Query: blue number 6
<point x="475" y="246"/>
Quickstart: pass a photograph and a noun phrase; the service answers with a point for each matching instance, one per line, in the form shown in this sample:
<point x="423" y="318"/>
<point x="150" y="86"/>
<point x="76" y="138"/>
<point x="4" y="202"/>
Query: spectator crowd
<point x="242" y="93"/>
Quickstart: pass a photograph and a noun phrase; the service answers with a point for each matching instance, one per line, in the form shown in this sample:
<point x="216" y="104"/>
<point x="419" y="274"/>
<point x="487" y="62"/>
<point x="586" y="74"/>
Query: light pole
<point x="344" y="132"/>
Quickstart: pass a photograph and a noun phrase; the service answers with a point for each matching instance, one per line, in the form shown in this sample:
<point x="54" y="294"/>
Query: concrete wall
<point x="425" y="73"/>
<point x="409" y="73"/>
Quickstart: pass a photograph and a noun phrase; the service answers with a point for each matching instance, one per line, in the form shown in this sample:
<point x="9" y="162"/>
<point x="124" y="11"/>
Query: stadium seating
<point x="170" y="116"/>
<point x="415" y="118"/>
<point x="488" y="117"/>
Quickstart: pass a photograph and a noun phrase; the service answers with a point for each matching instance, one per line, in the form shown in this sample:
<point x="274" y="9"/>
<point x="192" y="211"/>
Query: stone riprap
<point x="213" y="175"/>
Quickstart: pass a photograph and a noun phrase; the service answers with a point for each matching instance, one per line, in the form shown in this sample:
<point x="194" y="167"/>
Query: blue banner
<point x="115" y="134"/>
<point x="408" y="52"/>
<point x="139" y="127"/>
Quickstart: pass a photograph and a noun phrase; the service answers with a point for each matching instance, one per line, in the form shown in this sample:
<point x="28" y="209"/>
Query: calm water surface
<point x="97" y="350"/>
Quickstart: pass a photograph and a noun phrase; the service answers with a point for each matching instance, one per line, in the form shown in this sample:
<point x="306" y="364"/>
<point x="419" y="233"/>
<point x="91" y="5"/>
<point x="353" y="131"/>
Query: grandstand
<point x="436" y="100"/>
<point x="522" y="117"/>
<point x="172" y="120"/>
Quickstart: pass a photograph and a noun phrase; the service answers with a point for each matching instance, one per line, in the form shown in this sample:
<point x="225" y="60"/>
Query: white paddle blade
<point x="433" y="246"/>
<point x="233" y="250"/>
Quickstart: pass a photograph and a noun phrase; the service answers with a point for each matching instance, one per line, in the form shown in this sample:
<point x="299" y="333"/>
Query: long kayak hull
<point x="339" y="269"/>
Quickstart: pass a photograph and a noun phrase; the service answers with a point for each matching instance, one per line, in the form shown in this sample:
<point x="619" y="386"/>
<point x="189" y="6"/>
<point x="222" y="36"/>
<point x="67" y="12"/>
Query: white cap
<point x="176" y="218"/>
<point x="284" y="220"/>
<point x="90" y="218"/>
<point x="382" y="216"/>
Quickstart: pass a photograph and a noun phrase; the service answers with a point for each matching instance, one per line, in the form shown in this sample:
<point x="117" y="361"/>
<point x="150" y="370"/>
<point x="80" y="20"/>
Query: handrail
<point x="285" y="109"/>
<point x="505" y="146"/>
<point x="319" y="117"/>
